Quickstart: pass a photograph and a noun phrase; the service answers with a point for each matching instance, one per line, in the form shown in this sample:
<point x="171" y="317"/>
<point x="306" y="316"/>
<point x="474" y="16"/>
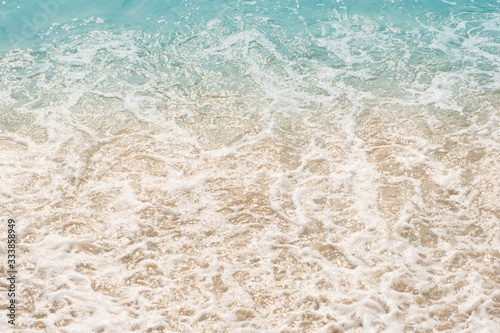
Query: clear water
<point x="248" y="166"/>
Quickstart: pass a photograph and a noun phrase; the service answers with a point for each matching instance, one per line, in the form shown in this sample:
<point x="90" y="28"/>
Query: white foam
<point x="285" y="191"/>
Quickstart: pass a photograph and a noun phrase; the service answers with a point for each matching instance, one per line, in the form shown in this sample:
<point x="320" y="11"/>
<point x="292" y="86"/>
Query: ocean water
<point x="251" y="166"/>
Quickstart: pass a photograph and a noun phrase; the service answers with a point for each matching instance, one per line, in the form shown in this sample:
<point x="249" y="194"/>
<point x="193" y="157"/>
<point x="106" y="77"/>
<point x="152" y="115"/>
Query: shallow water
<point x="252" y="166"/>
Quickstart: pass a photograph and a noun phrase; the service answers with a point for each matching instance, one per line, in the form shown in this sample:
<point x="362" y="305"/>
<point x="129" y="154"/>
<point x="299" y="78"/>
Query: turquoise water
<point x="389" y="47"/>
<point x="247" y="166"/>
